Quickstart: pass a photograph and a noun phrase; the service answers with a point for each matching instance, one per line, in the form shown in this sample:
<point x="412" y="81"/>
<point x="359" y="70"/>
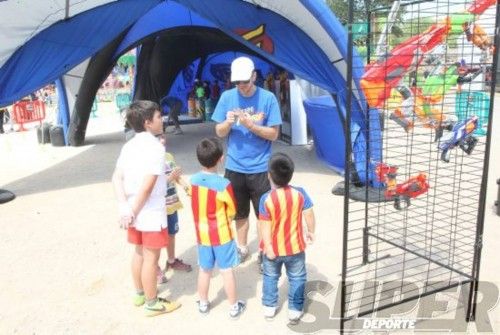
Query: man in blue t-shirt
<point x="250" y="117"/>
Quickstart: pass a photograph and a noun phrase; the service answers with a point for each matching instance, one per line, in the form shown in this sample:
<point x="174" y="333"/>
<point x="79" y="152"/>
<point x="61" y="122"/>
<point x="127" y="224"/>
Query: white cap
<point x="241" y="69"/>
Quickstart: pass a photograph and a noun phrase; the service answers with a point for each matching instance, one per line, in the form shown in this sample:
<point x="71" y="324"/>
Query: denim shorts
<point x="173" y="223"/>
<point x="225" y="255"/>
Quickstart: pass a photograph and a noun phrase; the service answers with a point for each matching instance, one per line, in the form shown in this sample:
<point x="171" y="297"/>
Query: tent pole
<point x="66" y="10"/>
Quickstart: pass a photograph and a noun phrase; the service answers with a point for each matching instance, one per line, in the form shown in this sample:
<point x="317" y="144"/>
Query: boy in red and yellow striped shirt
<point x="280" y="219"/>
<point x="213" y="206"/>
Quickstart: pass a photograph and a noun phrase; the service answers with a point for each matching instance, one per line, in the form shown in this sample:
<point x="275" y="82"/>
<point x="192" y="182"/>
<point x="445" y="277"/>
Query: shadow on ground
<point x="96" y="164"/>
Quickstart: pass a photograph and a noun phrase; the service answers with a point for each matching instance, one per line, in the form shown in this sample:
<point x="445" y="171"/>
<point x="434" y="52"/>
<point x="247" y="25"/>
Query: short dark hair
<point x="281" y="169"/>
<point x="138" y="112"/>
<point x="209" y="151"/>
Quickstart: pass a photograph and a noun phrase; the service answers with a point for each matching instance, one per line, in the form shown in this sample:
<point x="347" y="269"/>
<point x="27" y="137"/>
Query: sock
<point x="235" y="306"/>
<point x="139" y="292"/>
<point x="171" y="261"/>
<point x="151" y="302"/>
<point x="243" y="249"/>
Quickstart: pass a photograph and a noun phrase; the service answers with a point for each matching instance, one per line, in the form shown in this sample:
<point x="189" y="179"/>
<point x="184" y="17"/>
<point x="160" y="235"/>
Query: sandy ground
<point x="64" y="263"/>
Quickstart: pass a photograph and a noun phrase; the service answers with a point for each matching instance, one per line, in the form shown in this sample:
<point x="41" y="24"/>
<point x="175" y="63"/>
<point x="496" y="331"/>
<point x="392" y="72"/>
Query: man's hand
<point x="246" y="120"/>
<point x="232" y="116"/>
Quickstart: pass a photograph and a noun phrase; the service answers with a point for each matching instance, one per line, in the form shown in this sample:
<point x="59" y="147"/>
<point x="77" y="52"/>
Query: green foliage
<point x="340" y="8"/>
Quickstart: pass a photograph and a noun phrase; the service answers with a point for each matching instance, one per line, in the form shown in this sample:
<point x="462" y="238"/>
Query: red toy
<point x="401" y="193"/>
<point x="385" y="74"/>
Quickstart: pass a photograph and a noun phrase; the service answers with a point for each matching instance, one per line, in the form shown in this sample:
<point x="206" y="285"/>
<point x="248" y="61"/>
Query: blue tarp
<point x="57" y="49"/>
<point x="52" y="52"/>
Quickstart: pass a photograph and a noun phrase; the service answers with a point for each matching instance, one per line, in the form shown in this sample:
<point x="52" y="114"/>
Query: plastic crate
<point x="123" y="100"/>
<point x="473" y="103"/>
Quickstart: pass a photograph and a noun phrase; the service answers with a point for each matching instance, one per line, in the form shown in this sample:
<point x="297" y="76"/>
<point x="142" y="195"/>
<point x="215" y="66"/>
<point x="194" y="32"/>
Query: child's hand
<point x="127" y="217"/>
<point x="310" y="238"/>
<point x="176" y="173"/>
<point x="126" y="221"/>
<point x="270" y="253"/>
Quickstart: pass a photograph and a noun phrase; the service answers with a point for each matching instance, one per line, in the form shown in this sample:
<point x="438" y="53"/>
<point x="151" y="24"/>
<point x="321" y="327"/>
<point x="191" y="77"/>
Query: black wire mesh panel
<point x="417" y="223"/>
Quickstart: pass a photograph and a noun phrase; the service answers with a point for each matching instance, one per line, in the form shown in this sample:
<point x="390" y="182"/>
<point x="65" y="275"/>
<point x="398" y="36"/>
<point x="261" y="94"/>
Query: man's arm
<point x="223" y="128"/>
<point x="268" y="133"/>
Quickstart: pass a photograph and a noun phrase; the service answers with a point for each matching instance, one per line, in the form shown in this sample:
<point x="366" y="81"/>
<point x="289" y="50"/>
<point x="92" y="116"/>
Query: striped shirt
<point x="282" y="209"/>
<point x="213" y="206"/>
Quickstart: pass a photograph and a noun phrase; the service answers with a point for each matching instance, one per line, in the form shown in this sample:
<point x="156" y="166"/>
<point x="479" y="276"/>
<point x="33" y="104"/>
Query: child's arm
<point x="184" y="184"/>
<point x="265" y="229"/>
<point x="126" y="215"/>
<point x="310" y="223"/>
<point x="144" y="192"/>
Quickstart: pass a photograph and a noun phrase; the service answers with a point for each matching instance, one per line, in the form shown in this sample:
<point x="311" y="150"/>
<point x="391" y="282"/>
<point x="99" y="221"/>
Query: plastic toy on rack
<point x="401" y="193"/>
<point x="461" y="135"/>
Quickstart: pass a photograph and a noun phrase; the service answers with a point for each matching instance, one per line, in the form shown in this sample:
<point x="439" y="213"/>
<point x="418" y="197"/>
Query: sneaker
<point x="161" y="306"/>
<point x="178" y="131"/>
<point x="243" y="255"/>
<point x="179" y="265"/>
<point x="203" y="307"/>
<point x="269" y="312"/>
<point x="237" y="310"/>
<point x="160" y="276"/>
<point x="294" y="316"/>
<point x="139" y="299"/>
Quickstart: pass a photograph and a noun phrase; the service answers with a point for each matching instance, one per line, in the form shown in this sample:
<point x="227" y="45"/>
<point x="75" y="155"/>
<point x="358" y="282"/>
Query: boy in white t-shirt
<point x="140" y="186"/>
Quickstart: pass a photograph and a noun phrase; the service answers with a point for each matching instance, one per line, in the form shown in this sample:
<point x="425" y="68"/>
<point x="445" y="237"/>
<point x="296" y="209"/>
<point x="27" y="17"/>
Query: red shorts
<point x="148" y="239"/>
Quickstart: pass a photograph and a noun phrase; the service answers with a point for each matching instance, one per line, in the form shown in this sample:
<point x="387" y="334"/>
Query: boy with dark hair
<point x="213" y="205"/>
<point x="140" y="186"/>
<point x="280" y="219"/>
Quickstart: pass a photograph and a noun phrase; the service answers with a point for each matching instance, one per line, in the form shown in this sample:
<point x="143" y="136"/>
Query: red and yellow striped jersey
<point x="282" y="209"/>
<point x="213" y="206"/>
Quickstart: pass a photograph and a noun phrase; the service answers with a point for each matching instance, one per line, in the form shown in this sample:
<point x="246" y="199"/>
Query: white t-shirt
<point x="141" y="156"/>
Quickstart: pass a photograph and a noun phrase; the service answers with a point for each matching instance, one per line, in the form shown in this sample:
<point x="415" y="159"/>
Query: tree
<point x="364" y="11"/>
<point x="362" y="8"/>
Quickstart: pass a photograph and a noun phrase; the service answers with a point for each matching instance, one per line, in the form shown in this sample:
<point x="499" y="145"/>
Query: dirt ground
<point x="64" y="263"/>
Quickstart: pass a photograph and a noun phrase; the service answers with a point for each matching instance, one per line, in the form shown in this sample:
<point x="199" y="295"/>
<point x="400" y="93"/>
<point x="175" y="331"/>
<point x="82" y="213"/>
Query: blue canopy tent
<point x="301" y="36"/>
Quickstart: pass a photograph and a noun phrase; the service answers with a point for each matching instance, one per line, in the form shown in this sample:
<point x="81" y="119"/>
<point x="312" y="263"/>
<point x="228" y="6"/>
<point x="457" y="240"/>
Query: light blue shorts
<point x="225" y="255"/>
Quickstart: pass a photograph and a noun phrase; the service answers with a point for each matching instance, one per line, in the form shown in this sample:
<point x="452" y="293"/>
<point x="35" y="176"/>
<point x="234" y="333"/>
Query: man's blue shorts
<point x="226" y="256"/>
<point x="173" y="223"/>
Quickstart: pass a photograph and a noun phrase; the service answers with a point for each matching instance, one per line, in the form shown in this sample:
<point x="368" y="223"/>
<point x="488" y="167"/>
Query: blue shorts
<point x="226" y="256"/>
<point x="173" y="224"/>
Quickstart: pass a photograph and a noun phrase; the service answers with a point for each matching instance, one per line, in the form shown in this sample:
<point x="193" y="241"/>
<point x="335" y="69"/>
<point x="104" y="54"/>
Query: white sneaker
<point x="294" y="316"/>
<point x="203" y="307"/>
<point x="237" y="309"/>
<point x="269" y="312"/>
